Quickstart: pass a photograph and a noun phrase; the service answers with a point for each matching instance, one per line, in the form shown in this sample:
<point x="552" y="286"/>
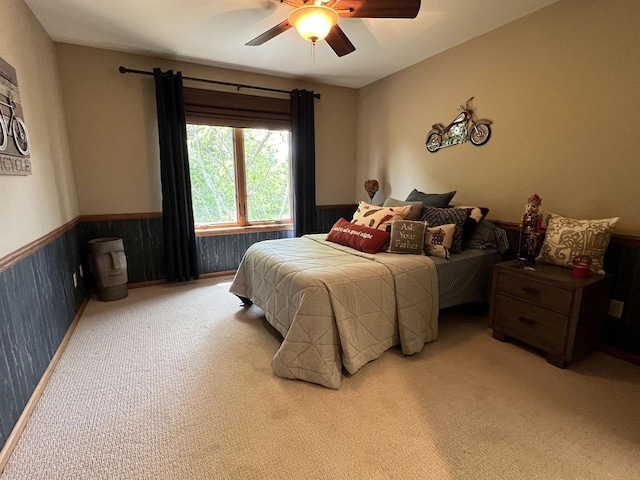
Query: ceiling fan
<point x="316" y="20"/>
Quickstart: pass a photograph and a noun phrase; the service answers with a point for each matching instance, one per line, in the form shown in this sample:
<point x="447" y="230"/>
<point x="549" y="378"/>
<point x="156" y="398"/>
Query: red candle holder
<point x="581" y="266"/>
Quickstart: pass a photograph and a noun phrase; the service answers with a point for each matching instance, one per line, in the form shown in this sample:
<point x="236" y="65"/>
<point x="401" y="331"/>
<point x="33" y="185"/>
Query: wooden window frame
<point x="242" y="225"/>
<point x="240" y="111"/>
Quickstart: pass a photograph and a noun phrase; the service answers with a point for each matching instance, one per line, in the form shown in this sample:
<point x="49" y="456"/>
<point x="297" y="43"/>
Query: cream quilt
<point x="336" y="306"/>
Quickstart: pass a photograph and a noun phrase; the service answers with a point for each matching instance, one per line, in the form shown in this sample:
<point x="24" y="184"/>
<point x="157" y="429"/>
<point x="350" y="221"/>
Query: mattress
<point x="466" y="277"/>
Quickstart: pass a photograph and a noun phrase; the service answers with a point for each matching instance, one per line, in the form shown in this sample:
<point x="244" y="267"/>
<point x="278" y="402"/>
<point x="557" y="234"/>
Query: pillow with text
<point x="407" y="237"/>
<point x="365" y="239"/>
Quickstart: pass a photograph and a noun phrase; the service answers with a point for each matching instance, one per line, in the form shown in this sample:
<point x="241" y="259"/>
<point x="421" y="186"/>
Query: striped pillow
<point x="445" y="216"/>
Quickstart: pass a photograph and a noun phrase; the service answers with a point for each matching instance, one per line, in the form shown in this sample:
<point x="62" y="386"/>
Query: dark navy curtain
<point x="303" y="162"/>
<point x="180" y="254"/>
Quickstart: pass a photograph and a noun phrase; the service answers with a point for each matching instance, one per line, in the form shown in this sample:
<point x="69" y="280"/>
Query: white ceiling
<point x="214" y="32"/>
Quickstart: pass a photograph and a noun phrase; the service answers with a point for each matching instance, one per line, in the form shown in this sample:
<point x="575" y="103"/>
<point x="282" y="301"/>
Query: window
<point x="239" y="176"/>
<point x="239" y="158"/>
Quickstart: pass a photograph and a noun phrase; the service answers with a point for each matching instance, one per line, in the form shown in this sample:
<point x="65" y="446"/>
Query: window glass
<point x="239" y="176"/>
<point x="267" y="171"/>
<point x="213" y="175"/>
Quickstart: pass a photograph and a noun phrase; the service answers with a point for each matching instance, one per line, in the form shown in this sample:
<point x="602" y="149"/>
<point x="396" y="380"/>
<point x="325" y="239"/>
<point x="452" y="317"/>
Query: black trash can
<point x="109" y="266"/>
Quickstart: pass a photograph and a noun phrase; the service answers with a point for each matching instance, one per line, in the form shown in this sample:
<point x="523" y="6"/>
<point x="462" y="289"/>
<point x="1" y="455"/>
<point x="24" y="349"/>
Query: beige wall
<point x="34" y="205"/>
<point x="562" y="86"/>
<point x="113" y="128"/>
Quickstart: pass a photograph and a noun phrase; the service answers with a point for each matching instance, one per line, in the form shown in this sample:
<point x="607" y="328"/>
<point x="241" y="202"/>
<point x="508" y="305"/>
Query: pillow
<point x="378" y="217"/>
<point x="476" y="215"/>
<point x="368" y="240"/>
<point x="438" y="240"/>
<point x="414" y="213"/>
<point x="407" y="237"/>
<point x="487" y="234"/>
<point x="566" y="238"/>
<point x="483" y="235"/>
<point x="445" y="216"/>
<point x="437" y="200"/>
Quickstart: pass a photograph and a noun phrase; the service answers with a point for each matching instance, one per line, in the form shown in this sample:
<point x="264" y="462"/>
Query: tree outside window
<point x="239" y="176"/>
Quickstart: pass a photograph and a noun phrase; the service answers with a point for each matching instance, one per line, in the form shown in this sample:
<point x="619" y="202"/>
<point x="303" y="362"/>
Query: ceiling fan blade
<point x="269" y="34"/>
<point x="378" y="8"/>
<point x="339" y="42"/>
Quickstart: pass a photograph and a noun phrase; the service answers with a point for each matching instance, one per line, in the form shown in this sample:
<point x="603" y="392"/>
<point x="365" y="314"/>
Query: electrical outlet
<point x="615" y="308"/>
<point x="75" y="280"/>
<point x="81" y="270"/>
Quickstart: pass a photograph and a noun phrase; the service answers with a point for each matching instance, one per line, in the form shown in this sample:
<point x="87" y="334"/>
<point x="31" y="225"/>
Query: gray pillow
<point x="437" y="200"/>
<point x="483" y="235"/>
<point x="414" y="213"/>
<point x="407" y="237"/>
<point x="488" y="234"/>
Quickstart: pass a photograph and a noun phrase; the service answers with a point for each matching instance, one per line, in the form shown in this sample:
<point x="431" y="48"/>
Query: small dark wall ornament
<point x="14" y="136"/>
<point x="371" y="186"/>
<point x="464" y="127"/>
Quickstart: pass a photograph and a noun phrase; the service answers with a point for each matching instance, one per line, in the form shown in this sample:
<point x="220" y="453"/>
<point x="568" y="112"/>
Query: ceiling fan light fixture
<point x="313" y="22"/>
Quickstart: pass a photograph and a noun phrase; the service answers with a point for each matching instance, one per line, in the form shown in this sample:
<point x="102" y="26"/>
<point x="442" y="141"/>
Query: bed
<point x="337" y="307"/>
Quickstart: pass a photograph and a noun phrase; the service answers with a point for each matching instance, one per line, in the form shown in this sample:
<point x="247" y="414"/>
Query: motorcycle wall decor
<point x="464" y="127"/>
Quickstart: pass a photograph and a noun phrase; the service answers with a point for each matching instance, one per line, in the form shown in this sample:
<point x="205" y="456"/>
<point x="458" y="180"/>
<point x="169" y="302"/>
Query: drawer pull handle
<point x="531" y="291"/>
<point x="528" y="321"/>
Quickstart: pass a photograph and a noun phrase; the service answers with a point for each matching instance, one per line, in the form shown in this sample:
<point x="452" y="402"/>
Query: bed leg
<point x="245" y="301"/>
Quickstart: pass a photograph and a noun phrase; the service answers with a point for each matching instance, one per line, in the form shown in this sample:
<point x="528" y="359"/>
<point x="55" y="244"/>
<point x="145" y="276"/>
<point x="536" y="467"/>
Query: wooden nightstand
<point x="549" y="309"/>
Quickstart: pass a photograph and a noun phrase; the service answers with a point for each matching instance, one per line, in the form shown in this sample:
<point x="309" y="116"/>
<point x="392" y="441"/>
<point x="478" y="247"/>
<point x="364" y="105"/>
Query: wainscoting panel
<point x="37" y="305"/>
<point x="623" y="261"/>
<point x="38" y="301"/>
<point x="330" y="214"/>
<point x="142" y="238"/>
<point x="220" y="253"/>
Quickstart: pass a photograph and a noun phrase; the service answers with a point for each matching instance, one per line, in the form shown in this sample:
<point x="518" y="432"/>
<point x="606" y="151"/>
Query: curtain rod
<point x="217" y="82"/>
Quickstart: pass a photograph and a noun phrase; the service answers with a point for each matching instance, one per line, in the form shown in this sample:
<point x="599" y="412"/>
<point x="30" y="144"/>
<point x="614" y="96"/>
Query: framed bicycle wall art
<point x="14" y="137"/>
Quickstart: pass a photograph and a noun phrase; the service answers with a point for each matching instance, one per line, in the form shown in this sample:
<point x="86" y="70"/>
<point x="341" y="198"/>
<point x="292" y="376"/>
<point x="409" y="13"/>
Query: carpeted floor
<point x="175" y="382"/>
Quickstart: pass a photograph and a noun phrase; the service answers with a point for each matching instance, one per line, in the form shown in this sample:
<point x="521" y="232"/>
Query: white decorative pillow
<point x="567" y="238"/>
<point x="438" y="240"/>
<point x="373" y="216"/>
<point x="475" y="213"/>
<point x="446" y="216"/>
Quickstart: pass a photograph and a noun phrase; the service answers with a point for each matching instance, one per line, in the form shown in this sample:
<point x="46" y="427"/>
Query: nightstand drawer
<point x="541" y="294"/>
<point x="534" y="325"/>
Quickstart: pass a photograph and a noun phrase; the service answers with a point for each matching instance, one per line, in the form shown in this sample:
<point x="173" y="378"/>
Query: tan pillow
<point x="566" y="238"/>
<point x="373" y="216"/>
<point x="438" y="240"/>
<point x="416" y="207"/>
